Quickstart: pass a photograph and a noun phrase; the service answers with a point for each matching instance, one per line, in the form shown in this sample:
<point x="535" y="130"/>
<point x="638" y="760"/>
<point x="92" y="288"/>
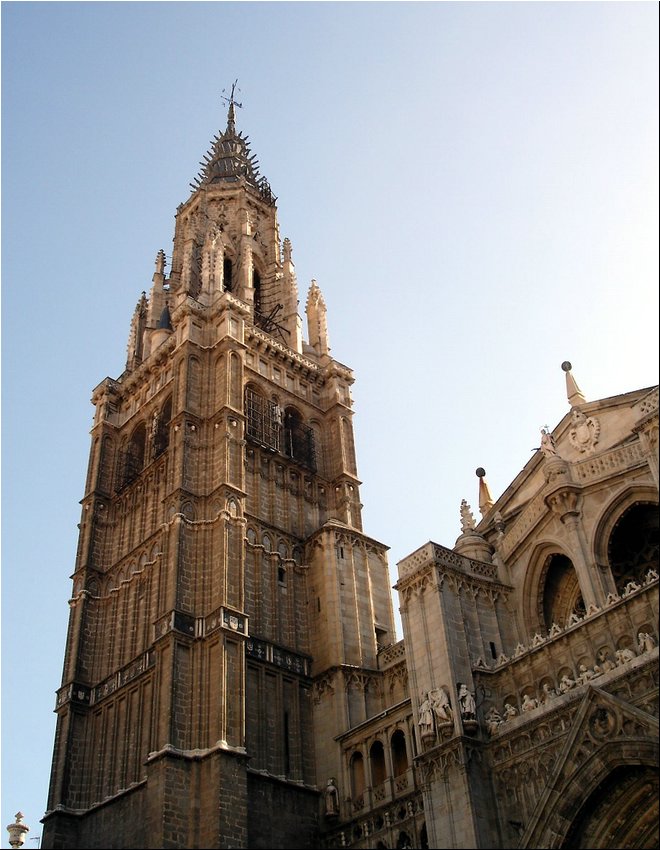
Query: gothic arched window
<point x="134" y="455"/>
<point x="399" y="753"/>
<point x="633" y="545"/>
<point x="561" y="591"/>
<point x="298" y="439"/>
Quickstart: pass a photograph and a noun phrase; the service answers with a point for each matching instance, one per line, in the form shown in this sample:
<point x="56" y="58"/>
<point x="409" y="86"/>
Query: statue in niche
<point x="584" y="431"/>
<point x="441" y="706"/>
<point x="468" y="705"/>
<point x="509" y="711"/>
<point x="624" y="655"/>
<point x="331" y="796"/>
<point x="584" y="674"/>
<point x="566" y="683"/>
<point x="493" y="720"/>
<point x="548" y="692"/>
<point x="529" y="703"/>
<point x="605" y="662"/>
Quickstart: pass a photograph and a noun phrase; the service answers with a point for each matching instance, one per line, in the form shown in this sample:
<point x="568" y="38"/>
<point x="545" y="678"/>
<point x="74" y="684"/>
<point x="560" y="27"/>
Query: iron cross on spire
<point x="231" y="101"/>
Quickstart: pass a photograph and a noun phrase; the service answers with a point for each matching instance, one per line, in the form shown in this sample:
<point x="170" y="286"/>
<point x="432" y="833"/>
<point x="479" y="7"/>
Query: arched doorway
<point x="621" y="812"/>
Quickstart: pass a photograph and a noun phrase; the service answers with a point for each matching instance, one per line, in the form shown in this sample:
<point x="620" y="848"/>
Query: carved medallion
<point x="584" y="431"/>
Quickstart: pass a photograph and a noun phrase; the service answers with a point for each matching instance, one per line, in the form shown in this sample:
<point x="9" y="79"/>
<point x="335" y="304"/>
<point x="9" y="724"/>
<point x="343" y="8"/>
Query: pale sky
<point x="474" y="186"/>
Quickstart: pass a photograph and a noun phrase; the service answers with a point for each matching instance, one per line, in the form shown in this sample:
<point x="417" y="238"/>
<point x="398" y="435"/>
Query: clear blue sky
<point x="473" y="186"/>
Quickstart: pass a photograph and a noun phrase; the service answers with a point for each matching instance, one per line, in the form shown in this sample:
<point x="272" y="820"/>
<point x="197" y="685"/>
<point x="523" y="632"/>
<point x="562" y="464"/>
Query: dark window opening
<point x="162" y="435"/>
<point x="281" y="575"/>
<point x="633" y="545"/>
<point x="493" y="651"/>
<point x="227" y="274"/>
<point x="256" y="286"/>
<point x="287" y="748"/>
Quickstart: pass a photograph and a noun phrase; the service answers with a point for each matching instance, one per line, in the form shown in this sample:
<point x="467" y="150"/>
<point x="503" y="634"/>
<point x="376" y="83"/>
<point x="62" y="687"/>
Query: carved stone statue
<point x="467" y="517"/>
<point x="624" y="655"/>
<point x="331" y="796"/>
<point x="529" y="703"/>
<point x="584" y="674"/>
<point x="425" y="721"/>
<point x="605" y="662"/>
<point x="548" y="447"/>
<point x="468" y="705"/>
<point x="566" y="683"/>
<point x="509" y="711"/>
<point x="441" y="705"/>
<point x="493" y="720"/>
<point x="645" y="642"/>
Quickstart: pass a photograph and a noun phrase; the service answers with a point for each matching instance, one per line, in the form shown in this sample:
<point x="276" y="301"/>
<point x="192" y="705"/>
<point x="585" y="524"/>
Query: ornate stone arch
<point x="632" y="513"/>
<point x="604" y="770"/>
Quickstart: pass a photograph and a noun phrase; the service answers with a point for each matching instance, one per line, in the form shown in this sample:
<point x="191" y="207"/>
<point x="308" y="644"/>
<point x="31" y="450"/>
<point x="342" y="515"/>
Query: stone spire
<point x="485" y="499"/>
<point x="229" y="159"/>
<point x="573" y="392"/>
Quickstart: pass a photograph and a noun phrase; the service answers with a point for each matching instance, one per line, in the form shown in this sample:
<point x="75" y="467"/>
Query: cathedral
<point x="232" y="674"/>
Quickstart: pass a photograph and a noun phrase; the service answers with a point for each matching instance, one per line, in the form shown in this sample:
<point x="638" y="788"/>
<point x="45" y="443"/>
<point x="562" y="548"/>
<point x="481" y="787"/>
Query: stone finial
<point x="286" y="250"/>
<point x="17" y="831"/>
<point x="485" y="499"/>
<point x="573" y="392"/>
<point x="317" y="320"/>
<point x="467" y="517"/>
<point x="160" y="262"/>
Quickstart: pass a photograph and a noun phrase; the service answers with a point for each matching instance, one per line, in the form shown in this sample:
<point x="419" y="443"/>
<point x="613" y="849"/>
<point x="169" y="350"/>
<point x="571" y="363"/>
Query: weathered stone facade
<point x="231" y="676"/>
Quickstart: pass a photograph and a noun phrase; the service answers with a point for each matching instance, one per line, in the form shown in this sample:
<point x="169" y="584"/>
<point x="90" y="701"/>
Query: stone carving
<point x="510" y="711"/>
<point x="425" y="721"/>
<point x="467" y="517"/>
<point x="631" y="587"/>
<point x="548" y="692"/>
<point x="645" y="642"/>
<point x="555" y="630"/>
<point x="584" y="674"/>
<point x="566" y="683"/>
<point x="651" y="575"/>
<point x="529" y="703"/>
<point x="623" y="656"/>
<point x="584" y="431"/>
<point x="604" y="661"/>
<point x="467" y="703"/>
<point x="538" y="639"/>
<point x="548" y="447"/>
<point x="493" y="720"/>
<point x="331" y="797"/>
<point x="612" y="598"/>
<point x="441" y="706"/>
<point x="519" y="650"/>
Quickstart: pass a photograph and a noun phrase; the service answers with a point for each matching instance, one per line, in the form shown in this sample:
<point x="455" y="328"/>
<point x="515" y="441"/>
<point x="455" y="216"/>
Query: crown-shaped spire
<point x="229" y="159"/>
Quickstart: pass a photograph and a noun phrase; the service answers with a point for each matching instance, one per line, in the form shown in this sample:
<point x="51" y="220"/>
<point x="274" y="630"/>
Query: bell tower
<point x="223" y="586"/>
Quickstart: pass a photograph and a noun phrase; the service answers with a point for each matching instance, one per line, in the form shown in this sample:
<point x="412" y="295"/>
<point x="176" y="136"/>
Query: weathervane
<point x="230" y="100"/>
